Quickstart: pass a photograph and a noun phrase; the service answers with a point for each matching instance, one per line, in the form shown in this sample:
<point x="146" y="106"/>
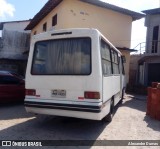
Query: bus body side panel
<point x="111" y="88"/>
<point x="116" y="89"/>
<point x="122" y="78"/>
<point x="107" y="88"/>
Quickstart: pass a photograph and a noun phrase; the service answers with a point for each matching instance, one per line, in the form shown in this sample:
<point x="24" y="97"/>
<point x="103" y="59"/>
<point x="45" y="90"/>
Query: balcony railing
<point x="141" y="48"/>
<point x="153" y="48"/>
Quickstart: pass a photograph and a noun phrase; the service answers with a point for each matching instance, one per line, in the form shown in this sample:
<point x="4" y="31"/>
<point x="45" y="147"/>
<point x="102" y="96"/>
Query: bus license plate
<point x="58" y="93"/>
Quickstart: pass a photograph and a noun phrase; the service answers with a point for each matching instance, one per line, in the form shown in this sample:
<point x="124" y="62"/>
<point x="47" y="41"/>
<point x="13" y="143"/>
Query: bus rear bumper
<point x="95" y="113"/>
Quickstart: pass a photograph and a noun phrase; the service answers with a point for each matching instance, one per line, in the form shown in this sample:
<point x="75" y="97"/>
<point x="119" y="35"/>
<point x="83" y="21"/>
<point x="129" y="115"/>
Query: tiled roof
<point x="152" y="11"/>
<point x="47" y="8"/>
<point x="51" y="4"/>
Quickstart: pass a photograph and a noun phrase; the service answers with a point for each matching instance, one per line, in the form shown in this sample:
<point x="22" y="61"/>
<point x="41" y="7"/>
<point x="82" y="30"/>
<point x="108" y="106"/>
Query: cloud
<point x="6" y="9"/>
<point x="138" y="5"/>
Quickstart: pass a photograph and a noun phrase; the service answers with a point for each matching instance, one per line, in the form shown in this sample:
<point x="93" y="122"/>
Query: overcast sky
<point x="11" y="10"/>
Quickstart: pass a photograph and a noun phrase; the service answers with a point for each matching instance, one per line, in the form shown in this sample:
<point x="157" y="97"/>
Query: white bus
<point x="74" y="73"/>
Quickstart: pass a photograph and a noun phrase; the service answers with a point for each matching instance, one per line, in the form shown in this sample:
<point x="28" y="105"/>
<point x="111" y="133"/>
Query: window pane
<point x="105" y="51"/>
<point x="63" y="57"/>
<point x="106" y="67"/>
<point x="116" y="58"/>
<point x="115" y="68"/>
<point x="54" y="20"/>
<point x="115" y="62"/>
<point x="45" y="27"/>
<point x="113" y="56"/>
<point x="106" y="60"/>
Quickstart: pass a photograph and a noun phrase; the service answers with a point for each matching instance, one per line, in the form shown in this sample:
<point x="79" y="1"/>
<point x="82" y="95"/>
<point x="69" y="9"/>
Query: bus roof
<point x="74" y="31"/>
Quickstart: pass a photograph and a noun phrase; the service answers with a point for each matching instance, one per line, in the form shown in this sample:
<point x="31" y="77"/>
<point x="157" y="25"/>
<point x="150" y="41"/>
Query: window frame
<point x="123" y="70"/>
<point x="31" y="70"/>
<point x="45" y="27"/>
<point x="111" y="49"/>
<point x="155" y="36"/>
<point x="114" y="63"/>
<point x="35" y="32"/>
<point x="103" y="59"/>
<point x="54" y="20"/>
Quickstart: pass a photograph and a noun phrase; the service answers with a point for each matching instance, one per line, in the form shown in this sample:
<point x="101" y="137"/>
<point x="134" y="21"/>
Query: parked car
<point x="12" y="87"/>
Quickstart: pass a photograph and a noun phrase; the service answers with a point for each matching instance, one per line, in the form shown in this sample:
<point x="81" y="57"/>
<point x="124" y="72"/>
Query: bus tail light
<point x="30" y="92"/>
<point x="91" y="95"/>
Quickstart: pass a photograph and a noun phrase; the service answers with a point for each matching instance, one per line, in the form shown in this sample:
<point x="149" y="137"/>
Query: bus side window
<point x="106" y="59"/>
<point x="115" y="62"/>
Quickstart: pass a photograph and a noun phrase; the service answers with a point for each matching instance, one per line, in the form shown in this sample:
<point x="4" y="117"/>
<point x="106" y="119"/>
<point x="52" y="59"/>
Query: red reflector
<point x="31" y="92"/>
<point x="81" y="98"/>
<point x="92" y="95"/>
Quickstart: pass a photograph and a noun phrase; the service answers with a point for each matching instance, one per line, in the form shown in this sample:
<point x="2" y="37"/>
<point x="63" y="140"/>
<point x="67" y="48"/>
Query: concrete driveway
<point x="129" y="123"/>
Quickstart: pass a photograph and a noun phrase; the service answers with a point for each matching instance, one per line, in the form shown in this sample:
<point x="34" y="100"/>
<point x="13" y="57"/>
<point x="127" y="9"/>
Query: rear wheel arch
<point x="109" y="116"/>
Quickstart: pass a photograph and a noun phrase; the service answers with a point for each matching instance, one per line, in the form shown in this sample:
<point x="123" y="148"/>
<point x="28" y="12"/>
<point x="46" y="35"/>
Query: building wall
<point x="14" y="43"/>
<point x="16" y="26"/>
<point x="76" y="14"/>
<point x="115" y="26"/>
<point x="126" y="65"/>
<point x="14" y="39"/>
<point x="150" y="66"/>
<point x="133" y="69"/>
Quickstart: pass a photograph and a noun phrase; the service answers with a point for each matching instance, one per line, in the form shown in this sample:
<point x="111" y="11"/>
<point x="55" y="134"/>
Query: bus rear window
<point x="71" y="56"/>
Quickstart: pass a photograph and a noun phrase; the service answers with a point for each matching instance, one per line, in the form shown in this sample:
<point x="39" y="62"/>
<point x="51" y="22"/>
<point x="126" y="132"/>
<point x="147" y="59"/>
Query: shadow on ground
<point x="47" y="127"/>
<point x="134" y="103"/>
<point x="152" y="123"/>
<point x="13" y="111"/>
<point x="141" y="105"/>
<point x="59" y="128"/>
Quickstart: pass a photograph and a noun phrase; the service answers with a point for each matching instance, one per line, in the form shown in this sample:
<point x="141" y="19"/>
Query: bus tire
<point x="109" y="116"/>
<point x="123" y="92"/>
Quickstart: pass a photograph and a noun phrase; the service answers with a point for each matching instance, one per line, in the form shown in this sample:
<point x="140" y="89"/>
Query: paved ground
<point x="129" y="123"/>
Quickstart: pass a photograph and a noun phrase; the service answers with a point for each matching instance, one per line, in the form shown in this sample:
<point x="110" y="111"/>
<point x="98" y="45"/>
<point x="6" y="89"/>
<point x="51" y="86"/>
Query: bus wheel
<point x="108" y="118"/>
<point x="123" y="92"/>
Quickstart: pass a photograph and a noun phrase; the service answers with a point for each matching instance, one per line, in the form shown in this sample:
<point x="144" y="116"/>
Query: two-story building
<point x="113" y="22"/>
<point x="14" y="46"/>
<point x="149" y="64"/>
